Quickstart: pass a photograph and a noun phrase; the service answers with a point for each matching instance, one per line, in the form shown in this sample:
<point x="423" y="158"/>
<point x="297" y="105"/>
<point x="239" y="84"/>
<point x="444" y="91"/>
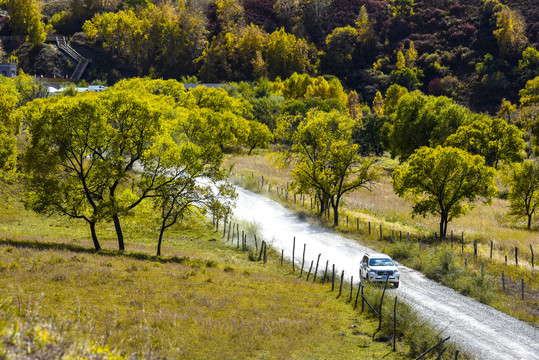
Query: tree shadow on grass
<point x="41" y="245"/>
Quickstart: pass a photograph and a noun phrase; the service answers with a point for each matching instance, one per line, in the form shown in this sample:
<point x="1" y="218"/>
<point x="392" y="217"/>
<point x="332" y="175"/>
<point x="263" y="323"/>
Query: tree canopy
<point x="326" y="163"/>
<point x="444" y="181"/>
<point x="492" y="138"/>
<point x="523" y="180"/>
<point x="97" y="156"/>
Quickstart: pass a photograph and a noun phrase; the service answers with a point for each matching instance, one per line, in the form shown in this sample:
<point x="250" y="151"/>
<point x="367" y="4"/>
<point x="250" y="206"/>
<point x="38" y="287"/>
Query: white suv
<point x="379" y="268"/>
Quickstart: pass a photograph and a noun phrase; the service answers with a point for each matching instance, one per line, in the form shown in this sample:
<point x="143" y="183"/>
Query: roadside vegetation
<point x="442" y="261"/>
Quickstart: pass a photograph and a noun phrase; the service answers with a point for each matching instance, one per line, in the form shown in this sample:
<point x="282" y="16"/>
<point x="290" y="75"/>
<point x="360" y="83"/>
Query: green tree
<point x="366" y="34"/>
<point x="326" y="162"/>
<point x="530" y="59"/>
<point x="524" y="190"/>
<point x="61" y="163"/>
<point x="529" y="96"/>
<point x="510" y="33"/>
<point x="259" y="136"/>
<point x="229" y="14"/>
<point x="286" y="54"/>
<point x="84" y="151"/>
<point x="9" y="128"/>
<point x="421" y="120"/>
<point x="25" y="19"/>
<point x="401" y="8"/>
<point x="340" y="47"/>
<point x="179" y="168"/>
<point x="393" y="95"/>
<point x="492" y="138"/>
<point x="444" y="181"/>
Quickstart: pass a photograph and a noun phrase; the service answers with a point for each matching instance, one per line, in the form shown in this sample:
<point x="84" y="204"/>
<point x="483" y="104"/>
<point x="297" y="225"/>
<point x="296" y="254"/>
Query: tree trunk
<point x="530" y="221"/>
<point x="94" y="235"/>
<point x="161" y="232"/>
<point x="119" y="233"/>
<point x="443" y="225"/>
<point x="335" y="205"/>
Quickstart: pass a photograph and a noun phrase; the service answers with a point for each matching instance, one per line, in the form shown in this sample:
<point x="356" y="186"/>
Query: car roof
<point x="378" y="255"/>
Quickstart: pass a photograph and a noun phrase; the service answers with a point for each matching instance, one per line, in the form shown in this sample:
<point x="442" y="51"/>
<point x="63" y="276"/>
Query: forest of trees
<point x="331" y="84"/>
<point x="477" y="52"/>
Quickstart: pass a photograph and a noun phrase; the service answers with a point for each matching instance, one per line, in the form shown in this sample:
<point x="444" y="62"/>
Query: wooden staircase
<point x="82" y="62"/>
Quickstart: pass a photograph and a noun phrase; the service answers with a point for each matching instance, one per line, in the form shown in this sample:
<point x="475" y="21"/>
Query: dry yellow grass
<point x="382" y="206"/>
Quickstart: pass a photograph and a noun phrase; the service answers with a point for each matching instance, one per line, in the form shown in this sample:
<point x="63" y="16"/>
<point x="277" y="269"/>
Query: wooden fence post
<point x="357" y="225"/>
<point x="265" y="253"/>
<point x="503" y="281"/>
<point x="316" y="269"/>
<point x="256" y="246"/>
<point x="462" y="243"/>
<point x="346" y="220"/>
<point x="303" y="260"/>
<point x="310" y="269"/>
<point x="369" y="227"/>
<point x="395" y="325"/>
<point x="238" y="236"/>
<point x="224" y="229"/>
<point x="351" y="288"/>
<point x="380" y="231"/>
<point x="522" y="288"/>
<point x="325" y="272"/>
<point x="228" y="236"/>
<point x="491" y="247"/>
<point x="475" y="248"/>
<point x="282" y="256"/>
<point x="340" y="287"/>
<point x="516" y="256"/>
<point x="333" y="279"/>
<point x="357" y="294"/>
<point x="362" y="298"/>
<point x="381" y="304"/>
<point x="531" y="249"/>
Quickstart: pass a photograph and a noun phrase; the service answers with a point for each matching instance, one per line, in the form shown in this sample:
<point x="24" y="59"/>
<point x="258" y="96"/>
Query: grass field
<point x="382" y="207"/>
<point x="201" y="300"/>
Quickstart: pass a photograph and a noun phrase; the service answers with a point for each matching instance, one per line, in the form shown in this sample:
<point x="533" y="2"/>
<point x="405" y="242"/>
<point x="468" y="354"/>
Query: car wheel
<point x="396" y="285"/>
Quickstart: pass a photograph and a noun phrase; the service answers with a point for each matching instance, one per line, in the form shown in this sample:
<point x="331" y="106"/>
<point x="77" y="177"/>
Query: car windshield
<point x="380" y="262"/>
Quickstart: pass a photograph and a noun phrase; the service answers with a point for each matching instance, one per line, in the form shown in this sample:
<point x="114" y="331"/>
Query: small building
<point x="8" y="69"/>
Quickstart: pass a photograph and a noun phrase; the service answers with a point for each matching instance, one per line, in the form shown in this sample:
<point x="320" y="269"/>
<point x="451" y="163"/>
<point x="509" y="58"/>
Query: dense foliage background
<point x="477" y="52"/>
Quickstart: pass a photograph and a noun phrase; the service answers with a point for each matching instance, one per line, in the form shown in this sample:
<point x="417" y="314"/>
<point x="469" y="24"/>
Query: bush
<point x="438" y="266"/>
<point x="401" y="251"/>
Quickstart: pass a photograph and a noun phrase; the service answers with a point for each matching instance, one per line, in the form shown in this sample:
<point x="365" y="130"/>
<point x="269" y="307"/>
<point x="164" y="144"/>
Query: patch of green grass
<point x="200" y="300"/>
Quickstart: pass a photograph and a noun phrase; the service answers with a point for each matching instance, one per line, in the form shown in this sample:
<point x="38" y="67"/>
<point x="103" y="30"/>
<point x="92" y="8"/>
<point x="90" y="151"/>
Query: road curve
<point x="478" y="329"/>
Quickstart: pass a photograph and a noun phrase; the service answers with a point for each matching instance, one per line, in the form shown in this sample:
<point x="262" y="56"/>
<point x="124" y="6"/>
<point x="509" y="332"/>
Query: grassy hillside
<point x="202" y="300"/>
